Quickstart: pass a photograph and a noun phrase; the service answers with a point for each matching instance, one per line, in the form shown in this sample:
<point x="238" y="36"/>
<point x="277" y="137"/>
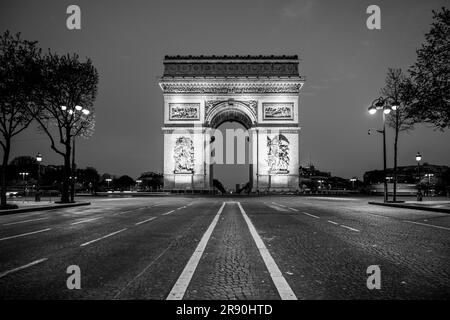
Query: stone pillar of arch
<point x="261" y="93"/>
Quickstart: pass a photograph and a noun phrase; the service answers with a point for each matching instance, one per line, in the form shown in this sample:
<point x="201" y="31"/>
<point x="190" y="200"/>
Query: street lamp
<point x="108" y="180"/>
<point x="418" y="159"/>
<point x="37" y="197"/>
<point x="353" y="180"/>
<point x="24" y="174"/>
<point x="382" y="104"/>
<point x="139" y="183"/>
<point x="429" y="175"/>
<point x="71" y="112"/>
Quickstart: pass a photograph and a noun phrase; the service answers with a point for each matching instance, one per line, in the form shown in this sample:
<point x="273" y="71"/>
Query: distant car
<point x="11" y="194"/>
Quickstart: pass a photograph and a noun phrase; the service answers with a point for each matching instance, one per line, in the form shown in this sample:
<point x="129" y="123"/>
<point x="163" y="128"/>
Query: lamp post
<point x="419" y="193"/>
<point x="138" y="183"/>
<point x="37" y="197"/>
<point x="353" y="180"/>
<point x="77" y="111"/>
<point x="108" y="180"/>
<point x="382" y="104"/>
<point x="24" y="174"/>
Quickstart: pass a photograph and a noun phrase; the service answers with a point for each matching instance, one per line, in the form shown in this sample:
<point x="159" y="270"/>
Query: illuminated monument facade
<point x="260" y="92"/>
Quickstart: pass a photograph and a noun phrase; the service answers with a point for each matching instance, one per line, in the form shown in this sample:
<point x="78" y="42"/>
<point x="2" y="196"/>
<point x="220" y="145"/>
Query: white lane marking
<point x="284" y="290"/>
<point x="349" y="228"/>
<point x="428" y="225"/>
<point x="183" y="281"/>
<point x="277" y="204"/>
<point x="183" y="207"/>
<point x="165" y="214"/>
<point x="293" y="209"/>
<point x="3" y="274"/>
<point x="311" y="215"/>
<point x="108" y="235"/>
<point x="25" y="234"/>
<point x="277" y="208"/>
<point x="333" y="222"/>
<point x="24" y="221"/>
<point x="138" y="223"/>
<point x="86" y="220"/>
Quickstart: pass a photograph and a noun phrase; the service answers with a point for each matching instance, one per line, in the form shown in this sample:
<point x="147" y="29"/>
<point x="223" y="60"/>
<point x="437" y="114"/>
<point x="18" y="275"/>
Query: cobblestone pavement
<point x="137" y="248"/>
<point x="231" y="267"/>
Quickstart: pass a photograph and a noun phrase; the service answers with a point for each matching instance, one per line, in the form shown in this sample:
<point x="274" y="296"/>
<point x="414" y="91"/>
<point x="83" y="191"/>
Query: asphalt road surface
<point x="275" y="247"/>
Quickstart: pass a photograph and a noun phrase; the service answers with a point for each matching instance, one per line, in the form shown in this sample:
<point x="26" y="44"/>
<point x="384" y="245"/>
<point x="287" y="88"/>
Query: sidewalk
<point x="435" y="206"/>
<point x="30" y="206"/>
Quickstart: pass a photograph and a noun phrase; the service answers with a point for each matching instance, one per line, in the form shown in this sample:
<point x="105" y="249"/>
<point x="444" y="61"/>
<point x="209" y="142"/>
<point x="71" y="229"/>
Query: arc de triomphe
<point x="260" y="92"/>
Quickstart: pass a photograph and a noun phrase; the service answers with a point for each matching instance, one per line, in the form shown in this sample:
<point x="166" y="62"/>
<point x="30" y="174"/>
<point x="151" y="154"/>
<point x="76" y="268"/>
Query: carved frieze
<point x="269" y="68"/>
<point x="231" y="88"/>
<point x="278" y="111"/>
<point x="184" y="111"/>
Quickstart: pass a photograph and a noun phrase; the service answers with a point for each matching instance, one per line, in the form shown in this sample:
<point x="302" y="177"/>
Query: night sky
<point x="344" y="64"/>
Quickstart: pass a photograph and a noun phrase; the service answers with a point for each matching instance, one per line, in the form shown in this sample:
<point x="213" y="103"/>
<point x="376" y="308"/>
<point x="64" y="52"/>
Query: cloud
<point x="298" y="10"/>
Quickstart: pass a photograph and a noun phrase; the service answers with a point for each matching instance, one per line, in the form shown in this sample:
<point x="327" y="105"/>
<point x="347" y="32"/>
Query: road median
<point x="424" y="207"/>
<point x="43" y="208"/>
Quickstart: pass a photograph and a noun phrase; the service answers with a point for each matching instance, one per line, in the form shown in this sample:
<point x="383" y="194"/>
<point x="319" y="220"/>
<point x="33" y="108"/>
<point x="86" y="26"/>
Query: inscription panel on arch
<point x="184" y="111"/>
<point x="278" y="111"/>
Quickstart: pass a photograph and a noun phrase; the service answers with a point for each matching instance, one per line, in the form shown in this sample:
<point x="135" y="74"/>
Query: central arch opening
<point x="231" y="168"/>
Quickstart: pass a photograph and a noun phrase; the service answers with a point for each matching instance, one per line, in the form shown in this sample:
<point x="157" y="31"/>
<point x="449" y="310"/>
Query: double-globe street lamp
<point x="77" y="111"/>
<point x="24" y="174"/>
<point x="37" y="196"/>
<point x="382" y="104"/>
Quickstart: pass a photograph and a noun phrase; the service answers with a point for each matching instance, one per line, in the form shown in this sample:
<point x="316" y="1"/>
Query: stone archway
<point x="229" y="112"/>
<point x="261" y="93"/>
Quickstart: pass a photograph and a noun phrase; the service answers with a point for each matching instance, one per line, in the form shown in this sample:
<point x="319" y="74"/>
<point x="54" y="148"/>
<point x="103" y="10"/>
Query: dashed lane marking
<point x="108" y="235"/>
<point x="311" y="215"/>
<point x="3" y="274"/>
<point x="166" y="213"/>
<point x="293" y="209"/>
<point x="280" y="205"/>
<point x="284" y="290"/>
<point x="86" y="220"/>
<point x="25" y="234"/>
<point x="428" y="225"/>
<point x="349" y="228"/>
<point x="179" y="289"/>
<point x="24" y="221"/>
<point x="343" y="226"/>
<point x="138" y="223"/>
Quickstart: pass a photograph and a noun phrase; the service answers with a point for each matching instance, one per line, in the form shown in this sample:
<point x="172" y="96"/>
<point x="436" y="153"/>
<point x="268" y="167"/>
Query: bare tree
<point x="67" y="94"/>
<point x="400" y="91"/>
<point x="18" y="72"/>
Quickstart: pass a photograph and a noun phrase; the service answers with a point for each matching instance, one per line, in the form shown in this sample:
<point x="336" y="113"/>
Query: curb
<point x="43" y="208"/>
<point x="405" y="206"/>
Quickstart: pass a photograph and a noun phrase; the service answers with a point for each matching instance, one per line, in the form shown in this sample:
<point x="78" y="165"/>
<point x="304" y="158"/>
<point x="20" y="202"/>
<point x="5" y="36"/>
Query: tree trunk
<point x="6" y="150"/>
<point x="65" y="185"/>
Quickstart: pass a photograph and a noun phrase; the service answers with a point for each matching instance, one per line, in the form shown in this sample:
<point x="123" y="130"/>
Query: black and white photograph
<point x="217" y="158"/>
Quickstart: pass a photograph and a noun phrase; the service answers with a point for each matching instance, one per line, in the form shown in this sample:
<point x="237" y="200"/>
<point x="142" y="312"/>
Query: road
<point x="275" y="247"/>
